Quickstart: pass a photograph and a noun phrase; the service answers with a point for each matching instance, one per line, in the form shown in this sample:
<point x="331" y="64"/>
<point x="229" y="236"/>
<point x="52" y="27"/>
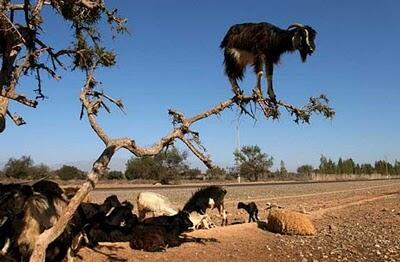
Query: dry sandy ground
<point x="355" y="222"/>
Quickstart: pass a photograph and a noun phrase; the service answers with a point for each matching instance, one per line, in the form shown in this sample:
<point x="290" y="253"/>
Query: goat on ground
<point x="155" y="203"/>
<point x="158" y="233"/>
<point x="251" y="209"/>
<point x="31" y="210"/>
<point x="260" y="44"/>
<point x="92" y="212"/>
<point x="285" y="221"/>
<point x="89" y="215"/>
<point x="208" y="197"/>
<point x="122" y="215"/>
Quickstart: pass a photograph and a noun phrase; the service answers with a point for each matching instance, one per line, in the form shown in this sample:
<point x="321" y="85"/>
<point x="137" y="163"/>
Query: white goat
<point x="157" y="204"/>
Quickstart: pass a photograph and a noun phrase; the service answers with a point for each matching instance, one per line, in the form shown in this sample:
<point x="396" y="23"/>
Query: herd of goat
<point x="27" y="210"/>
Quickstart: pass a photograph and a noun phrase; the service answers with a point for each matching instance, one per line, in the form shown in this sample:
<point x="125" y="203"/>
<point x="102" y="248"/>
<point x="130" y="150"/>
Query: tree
<point x="18" y="168"/>
<point x="24" y="50"/>
<point x="216" y="173"/>
<point x="367" y="169"/>
<point x="327" y="166"/>
<point x="305" y="169"/>
<point x="69" y="172"/>
<point x="252" y="162"/>
<point x="163" y="167"/>
<point x="282" y="170"/>
<point x="340" y="166"/>
<point x="348" y="166"/>
<point x="382" y="167"/>
<point x="115" y="175"/>
<point x="39" y="171"/>
<point x="396" y="167"/>
<point x="193" y="173"/>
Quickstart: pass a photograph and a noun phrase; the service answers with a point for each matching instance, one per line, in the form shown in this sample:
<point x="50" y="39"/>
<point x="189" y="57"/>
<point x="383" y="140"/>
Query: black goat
<point x="208" y="197"/>
<point x="158" y="233"/>
<point x="88" y="216"/>
<point x="122" y="215"/>
<point x="260" y="44"/>
<point x="251" y="209"/>
<point x="92" y="212"/>
<point x="102" y="232"/>
<point x="115" y="227"/>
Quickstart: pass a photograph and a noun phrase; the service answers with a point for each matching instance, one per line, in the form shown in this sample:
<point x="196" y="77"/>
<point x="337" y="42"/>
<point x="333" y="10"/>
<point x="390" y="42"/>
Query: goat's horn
<point x="31" y="183"/>
<point x="295" y="25"/>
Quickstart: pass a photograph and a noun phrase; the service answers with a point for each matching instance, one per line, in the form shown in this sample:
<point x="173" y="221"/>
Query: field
<point x="356" y="221"/>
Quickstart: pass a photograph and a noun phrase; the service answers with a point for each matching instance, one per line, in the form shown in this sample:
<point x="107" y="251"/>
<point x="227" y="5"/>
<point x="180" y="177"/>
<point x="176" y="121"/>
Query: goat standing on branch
<point x="263" y="44"/>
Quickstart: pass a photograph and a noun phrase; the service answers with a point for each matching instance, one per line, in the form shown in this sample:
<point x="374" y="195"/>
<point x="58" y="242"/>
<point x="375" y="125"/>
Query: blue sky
<point x="172" y="60"/>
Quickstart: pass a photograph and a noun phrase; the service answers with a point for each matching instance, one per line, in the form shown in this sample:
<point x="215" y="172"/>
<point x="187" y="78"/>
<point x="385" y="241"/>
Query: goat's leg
<point x="270" y="91"/>
<point x="235" y="87"/>
<point x="249" y="218"/>
<point x="222" y="212"/>
<point x="258" y="70"/>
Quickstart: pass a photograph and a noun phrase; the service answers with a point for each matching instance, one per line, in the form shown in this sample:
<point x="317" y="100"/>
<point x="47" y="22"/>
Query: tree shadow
<point x="110" y="256"/>
<point x="199" y="240"/>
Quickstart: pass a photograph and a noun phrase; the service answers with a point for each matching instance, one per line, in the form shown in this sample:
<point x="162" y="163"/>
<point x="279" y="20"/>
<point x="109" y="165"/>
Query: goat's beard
<point x="303" y="55"/>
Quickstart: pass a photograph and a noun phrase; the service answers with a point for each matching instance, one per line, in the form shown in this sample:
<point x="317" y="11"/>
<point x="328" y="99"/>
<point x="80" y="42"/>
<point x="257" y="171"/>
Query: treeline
<point x="251" y="164"/>
<point x="349" y="166"/>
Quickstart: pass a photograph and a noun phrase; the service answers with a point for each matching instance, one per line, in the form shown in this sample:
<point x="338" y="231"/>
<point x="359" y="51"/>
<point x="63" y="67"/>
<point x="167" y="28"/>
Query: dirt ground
<point x="355" y="221"/>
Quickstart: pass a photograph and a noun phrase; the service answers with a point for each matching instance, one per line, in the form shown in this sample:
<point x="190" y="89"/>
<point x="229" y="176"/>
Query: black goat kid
<point x="251" y="209"/>
<point x="260" y="44"/>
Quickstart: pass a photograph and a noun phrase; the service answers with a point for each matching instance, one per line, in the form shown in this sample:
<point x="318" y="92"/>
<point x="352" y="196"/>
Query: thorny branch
<point x="20" y="40"/>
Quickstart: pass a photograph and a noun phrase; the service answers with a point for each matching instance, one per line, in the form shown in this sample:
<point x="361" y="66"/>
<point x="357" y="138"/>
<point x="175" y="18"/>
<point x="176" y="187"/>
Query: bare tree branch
<point x="19" y="98"/>
<point x="18" y="120"/>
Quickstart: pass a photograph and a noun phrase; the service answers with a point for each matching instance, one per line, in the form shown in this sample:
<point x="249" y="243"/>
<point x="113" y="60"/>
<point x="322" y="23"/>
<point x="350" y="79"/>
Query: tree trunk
<point x="48" y="236"/>
<point x="3" y="113"/>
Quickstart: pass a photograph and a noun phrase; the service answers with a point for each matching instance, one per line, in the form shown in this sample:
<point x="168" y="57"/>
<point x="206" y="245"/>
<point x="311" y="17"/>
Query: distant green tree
<point x="115" y="175"/>
<point x="357" y="169"/>
<point x="193" y="173"/>
<point x="383" y="167"/>
<point x="348" y="166"/>
<point x="327" y="166"/>
<point x="396" y="167"/>
<point x="164" y="167"/>
<point x="39" y="171"/>
<point x="339" y="168"/>
<point x="305" y="169"/>
<point x="18" y="168"/>
<point x="252" y="162"/>
<point x="367" y="169"/>
<point x="70" y="172"/>
<point x="282" y="170"/>
<point x="216" y="173"/>
<point x="142" y="168"/>
<point x="323" y="163"/>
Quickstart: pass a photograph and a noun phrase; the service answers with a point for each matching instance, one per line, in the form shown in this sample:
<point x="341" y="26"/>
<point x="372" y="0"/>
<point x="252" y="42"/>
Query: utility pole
<point x="238" y="150"/>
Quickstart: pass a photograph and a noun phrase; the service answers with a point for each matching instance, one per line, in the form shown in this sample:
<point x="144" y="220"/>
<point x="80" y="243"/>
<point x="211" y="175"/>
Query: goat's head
<point x="12" y="200"/>
<point x="303" y="39"/>
<point x="127" y="204"/>
<point x="240" y="205"/>
<point x="112" y="201"/>
<point x="182" y="221"/>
